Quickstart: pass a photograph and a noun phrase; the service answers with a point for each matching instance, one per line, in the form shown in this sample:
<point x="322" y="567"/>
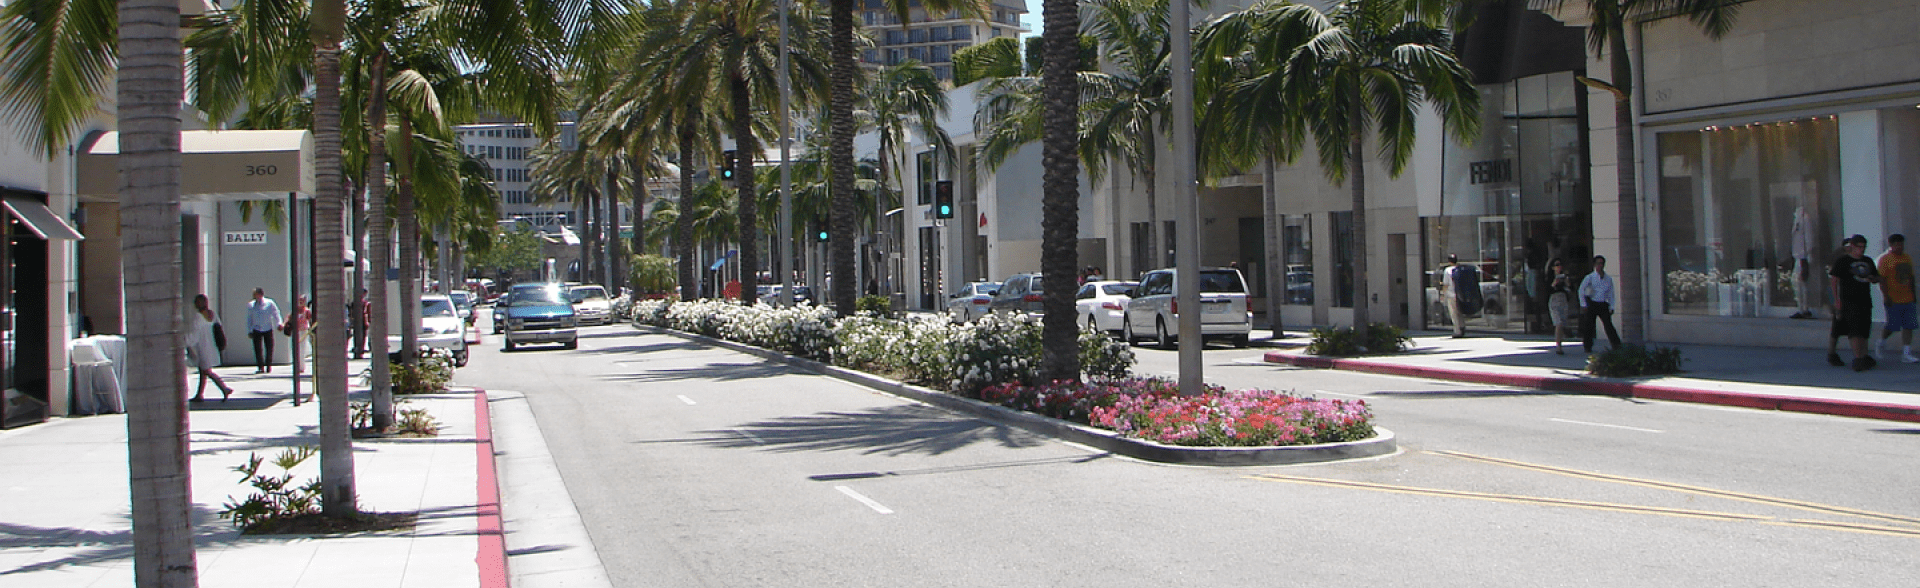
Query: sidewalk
<point x="64" y="520"/>
<point x="1798" y="380"/>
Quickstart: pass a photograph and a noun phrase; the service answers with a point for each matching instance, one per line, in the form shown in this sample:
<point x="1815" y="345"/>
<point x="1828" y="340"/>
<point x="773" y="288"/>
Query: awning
<point x="218" y="166"/>
<point x="39" y="219"/>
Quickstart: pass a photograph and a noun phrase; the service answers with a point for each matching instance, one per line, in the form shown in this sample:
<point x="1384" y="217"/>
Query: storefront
<point x="27" y="235"/>
<point x="1752" y="208"/>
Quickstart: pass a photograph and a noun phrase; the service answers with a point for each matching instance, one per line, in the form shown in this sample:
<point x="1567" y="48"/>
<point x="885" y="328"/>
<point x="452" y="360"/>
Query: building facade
<point x="932" y="38"/>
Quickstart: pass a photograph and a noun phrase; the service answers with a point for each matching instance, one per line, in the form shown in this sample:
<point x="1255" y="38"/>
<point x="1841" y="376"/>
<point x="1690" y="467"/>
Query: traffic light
<point x="728" y="159"/>
<point x="821" y="235"/>
<point x="943" y="199"/>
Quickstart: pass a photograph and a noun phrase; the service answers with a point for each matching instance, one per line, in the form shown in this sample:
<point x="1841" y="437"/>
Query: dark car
<point x="1019" y="295"/>
<point x="538" y="313"/>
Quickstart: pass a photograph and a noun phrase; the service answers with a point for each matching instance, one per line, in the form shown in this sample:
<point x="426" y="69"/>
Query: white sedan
<point x="970" y="302"/>
<point x="1102" y="305"/>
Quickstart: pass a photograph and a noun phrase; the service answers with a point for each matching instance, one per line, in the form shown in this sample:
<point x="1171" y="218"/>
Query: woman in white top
<point x="202" y="354"/>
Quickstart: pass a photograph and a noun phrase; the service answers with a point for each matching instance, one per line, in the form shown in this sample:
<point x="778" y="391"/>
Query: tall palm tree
<point x="1283" y="72"/>
<point x="705" y="60"/>
<point x="337" y="495"/>
<point x="1059" y="188"/>
<point x="842" y="126"/>
<point x="150" y="86"/>
<point x="902" y="99"/>
<point x="1607" y="36"/>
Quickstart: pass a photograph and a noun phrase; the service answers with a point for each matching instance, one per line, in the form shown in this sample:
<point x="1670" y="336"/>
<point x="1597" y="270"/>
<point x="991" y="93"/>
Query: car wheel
<point x="1240" y="341"/>
<point x="1092" y="325"/>
<point x="460" y="358"/>
<point x="1126" y="332"/>
<point x="1160" y="334"/>
<point x="574" y="344"/>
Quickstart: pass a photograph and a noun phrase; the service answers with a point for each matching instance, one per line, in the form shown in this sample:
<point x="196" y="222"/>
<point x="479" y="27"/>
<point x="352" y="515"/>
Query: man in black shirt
<point x="1851" y="281"/>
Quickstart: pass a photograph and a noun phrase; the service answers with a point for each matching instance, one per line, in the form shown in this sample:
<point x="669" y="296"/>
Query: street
<point x="697" y="466"/>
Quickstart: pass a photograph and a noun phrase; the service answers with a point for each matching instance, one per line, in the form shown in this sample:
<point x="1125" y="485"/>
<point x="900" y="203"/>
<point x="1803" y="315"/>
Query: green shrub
<point x="275" y="498"/>
<point x="1381" y="338"/>
<point x="874" y="303"/>
<point x="430" y="375"/>
<point x="1385" y="338"/>
<point x="1628" y="361"/>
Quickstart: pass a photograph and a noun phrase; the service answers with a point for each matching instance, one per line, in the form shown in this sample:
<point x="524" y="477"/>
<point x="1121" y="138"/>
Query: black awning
<point x="40" y="220"/>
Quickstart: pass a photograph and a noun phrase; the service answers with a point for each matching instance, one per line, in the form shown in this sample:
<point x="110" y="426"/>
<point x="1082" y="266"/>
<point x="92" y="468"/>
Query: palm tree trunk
<point x="379" y="243"/>
<point x="1632" y="307"/>
<point x="683" y="229"/>
<point x="337" y="495"/>
<point x="159" y="478"/>
<point x="841" y="219"/>
<point x="1357" y="169"/>
<point x="639" y="198"/>
<point x="749" y="210"/>
<point x="1060" y="190"/>
<point x="409" y="238"/>
<point x="613" y="226"/>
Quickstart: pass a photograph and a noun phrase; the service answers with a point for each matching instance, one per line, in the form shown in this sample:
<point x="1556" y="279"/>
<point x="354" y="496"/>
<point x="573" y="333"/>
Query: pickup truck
<point x="538" y="313"/>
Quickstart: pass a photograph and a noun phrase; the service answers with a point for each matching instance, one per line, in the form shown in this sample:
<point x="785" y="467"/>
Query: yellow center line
<point x="1588" y="504"/>
<point x="1703" y="491"/>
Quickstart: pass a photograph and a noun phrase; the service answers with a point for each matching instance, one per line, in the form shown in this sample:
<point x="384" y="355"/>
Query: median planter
<point x="1382" y="442"/>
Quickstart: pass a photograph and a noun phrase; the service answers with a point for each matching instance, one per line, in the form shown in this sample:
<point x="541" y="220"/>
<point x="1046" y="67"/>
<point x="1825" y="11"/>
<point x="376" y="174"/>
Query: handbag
<point x="219" y="337"/>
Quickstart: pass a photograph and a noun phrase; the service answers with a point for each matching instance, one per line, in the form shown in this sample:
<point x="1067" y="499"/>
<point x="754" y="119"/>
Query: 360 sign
<point x="263" y="170"/>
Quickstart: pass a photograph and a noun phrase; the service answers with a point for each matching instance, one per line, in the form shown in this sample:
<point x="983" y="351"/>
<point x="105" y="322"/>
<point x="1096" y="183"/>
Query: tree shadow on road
<point x="894" y="430"/>
<point x="712" y="371"/>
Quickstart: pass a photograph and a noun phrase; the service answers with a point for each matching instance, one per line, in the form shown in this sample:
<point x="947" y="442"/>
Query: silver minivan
<point x="1224" y="313"/>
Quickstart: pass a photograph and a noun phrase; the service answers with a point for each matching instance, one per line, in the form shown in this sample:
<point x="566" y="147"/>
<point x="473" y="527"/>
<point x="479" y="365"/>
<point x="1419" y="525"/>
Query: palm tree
<point x="1059" y="188"/>
<point x="902" y="99"/>
<point x="1284" y="71"/>
<point x="706" y="60"/>
<point x="149" y="80"/>
<point x="1607" y="35"/>
<point x="842" y="126"/>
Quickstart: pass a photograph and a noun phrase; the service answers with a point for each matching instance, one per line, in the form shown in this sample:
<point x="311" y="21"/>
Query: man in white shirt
<point x="263" y="316"/>
<point x="1596" y="300"/>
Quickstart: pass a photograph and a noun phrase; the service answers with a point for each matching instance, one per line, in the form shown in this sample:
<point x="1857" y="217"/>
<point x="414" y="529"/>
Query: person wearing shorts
<point x="1851" y="280"/>
<point x="1896" y="294"/>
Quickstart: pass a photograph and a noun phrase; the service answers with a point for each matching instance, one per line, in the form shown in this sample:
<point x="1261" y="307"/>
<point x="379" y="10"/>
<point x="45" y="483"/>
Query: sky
<point x="1031" y="20"/>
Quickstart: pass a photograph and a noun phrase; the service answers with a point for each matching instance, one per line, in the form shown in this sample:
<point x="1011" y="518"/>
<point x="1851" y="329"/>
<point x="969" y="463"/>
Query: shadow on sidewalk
<point x="895" y="430"/>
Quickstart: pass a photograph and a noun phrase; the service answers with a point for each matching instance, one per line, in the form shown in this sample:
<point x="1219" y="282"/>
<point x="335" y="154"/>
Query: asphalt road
<point x="697" y="466"/>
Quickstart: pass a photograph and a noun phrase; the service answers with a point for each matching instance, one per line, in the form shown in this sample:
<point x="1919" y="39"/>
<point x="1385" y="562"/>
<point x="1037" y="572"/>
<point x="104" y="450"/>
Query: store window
<point x="1296" y="242"/>
<point x="1343" y="242"/>
<point x="1749" y="217"/>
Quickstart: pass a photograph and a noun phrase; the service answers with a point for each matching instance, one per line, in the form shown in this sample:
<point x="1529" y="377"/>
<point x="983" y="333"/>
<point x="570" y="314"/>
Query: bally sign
<point x="246" y="238"/>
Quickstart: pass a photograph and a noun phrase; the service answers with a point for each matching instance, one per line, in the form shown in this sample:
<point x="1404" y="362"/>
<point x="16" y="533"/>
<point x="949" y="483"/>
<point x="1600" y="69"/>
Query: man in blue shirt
<point x="1596" y="298"/>
<point x="263" y="316"/>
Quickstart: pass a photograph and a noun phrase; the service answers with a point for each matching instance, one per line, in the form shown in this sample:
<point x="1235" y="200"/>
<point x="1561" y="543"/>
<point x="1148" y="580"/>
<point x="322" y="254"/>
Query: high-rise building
<point x="932" y="39"/>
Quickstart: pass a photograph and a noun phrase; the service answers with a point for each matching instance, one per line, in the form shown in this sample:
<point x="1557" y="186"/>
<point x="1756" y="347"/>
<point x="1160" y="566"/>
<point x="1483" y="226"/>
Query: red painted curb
<point x="1865" y="410"/>
<point x="492" y="557"/>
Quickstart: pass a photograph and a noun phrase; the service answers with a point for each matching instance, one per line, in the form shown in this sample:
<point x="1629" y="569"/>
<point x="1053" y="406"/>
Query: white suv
<point x="1224" y="313"/>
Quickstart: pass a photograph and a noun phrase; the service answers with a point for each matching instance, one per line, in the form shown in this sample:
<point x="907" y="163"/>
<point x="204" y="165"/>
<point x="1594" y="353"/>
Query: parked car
<point x="590" y="304"/>
<point x="1103" y="304"/>
<point x="1224" y="314"/>
<point x="499" y="312"/>
<point x="1019" y="295"/>
<point x="538" y="313"/>
<point x="463" y="303"/>
<point x="442" y="328"/>
<point x="970" y="301"/>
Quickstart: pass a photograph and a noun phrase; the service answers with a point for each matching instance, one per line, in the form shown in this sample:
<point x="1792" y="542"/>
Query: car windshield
<point x="537" y="297"/>
<point x="1227" y="281"/>
<point x="436" y="307"/>
<point x="462" y="299"/>
<point x="1118" y="289"/>
<point x="583" y="293"/>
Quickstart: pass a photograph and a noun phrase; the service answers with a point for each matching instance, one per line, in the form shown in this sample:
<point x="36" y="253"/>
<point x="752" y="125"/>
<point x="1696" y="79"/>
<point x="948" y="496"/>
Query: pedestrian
<point x="1558" y="291"/>
<point x="202" y="353"/>
<point x="1596" y="303"/>
<point x="299" y="326"/>
<point x="1850" y="281"/>
<point x="1896" y="292"/>
<point x="263" y="316"/>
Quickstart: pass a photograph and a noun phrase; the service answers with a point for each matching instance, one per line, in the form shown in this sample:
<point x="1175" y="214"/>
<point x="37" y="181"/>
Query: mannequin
<point x="1802" y="243"/>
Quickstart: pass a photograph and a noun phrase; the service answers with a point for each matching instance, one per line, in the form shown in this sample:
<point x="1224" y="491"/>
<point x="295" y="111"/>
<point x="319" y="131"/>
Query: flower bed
<point x="996" y="359"/>
<point x="1153" y="409"/>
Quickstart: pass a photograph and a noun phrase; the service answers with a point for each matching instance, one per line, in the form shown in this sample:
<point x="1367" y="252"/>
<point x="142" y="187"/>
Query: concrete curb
<point x="1383" y="443"/>
<point x="1613" y="387"/>
<point x="492" y="557"/>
